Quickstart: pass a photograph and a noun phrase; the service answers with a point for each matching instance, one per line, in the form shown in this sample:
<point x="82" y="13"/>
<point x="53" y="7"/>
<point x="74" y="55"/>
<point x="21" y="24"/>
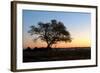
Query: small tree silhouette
<point x="51" y="33"/>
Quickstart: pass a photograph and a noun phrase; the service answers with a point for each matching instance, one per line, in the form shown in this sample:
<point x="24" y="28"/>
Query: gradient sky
<point x="78" y="24"/>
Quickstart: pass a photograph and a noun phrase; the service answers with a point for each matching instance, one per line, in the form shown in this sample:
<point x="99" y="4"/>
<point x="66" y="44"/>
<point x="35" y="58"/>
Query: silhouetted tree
<point x="28" y="48"/>
<point x="51" y="33"/>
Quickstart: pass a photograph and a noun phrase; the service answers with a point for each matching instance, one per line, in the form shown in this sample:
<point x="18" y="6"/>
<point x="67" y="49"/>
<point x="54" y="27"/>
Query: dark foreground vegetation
<point x="57" y="54"/>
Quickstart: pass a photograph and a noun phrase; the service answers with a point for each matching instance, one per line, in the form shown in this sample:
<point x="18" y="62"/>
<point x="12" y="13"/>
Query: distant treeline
<point x="44" y="48"/>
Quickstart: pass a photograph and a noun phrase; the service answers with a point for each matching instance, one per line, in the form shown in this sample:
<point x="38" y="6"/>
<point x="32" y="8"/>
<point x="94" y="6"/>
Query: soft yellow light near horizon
<point x="79" y="42"/>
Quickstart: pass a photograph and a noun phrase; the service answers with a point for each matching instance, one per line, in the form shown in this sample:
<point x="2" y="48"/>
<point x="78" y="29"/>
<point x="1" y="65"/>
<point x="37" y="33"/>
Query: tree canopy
<point x="51" y="32"/>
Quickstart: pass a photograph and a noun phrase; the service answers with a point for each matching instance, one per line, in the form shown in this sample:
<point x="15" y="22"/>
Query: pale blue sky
<point x="68" y="18"/>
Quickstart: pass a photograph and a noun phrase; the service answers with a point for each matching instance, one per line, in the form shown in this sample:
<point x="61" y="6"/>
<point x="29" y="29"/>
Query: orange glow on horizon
<point x="79" y="42"/>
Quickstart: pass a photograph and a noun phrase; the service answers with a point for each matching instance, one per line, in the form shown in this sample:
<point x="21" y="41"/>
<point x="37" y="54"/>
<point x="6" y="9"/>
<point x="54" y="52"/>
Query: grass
<point x="56" y="54"/>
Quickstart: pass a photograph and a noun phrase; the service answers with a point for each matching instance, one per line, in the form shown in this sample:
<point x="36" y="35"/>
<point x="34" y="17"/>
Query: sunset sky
<point x="78" y="24"/>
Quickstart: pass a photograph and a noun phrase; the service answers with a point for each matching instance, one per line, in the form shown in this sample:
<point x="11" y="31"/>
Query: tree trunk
<point x="48" y="46"/>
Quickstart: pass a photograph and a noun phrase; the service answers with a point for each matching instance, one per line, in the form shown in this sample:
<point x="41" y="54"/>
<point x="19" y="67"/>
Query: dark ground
<point x="44" y="54"/>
